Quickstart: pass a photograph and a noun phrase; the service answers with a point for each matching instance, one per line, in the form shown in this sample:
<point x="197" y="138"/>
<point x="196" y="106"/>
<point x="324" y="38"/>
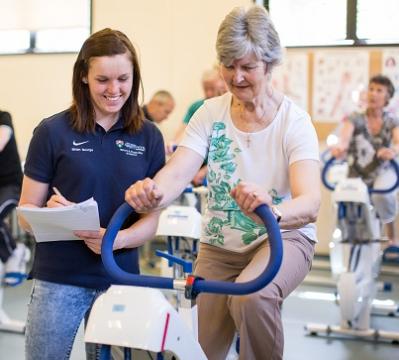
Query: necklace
<point x="248" y="134"/>
<point x="254" y="122"/>
<point x="248" y="140"/>
<point x="257" y="120"/>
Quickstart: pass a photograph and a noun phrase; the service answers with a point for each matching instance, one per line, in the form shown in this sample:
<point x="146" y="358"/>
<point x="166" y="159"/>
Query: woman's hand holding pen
<point x="94" y="239"/>
<point x="57" y="200"/>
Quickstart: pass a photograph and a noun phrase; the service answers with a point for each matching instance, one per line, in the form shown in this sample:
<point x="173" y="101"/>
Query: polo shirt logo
<point x="119" y="143"/>
<point x="77" y="146"/>
<point x="129" y="148"/>
<point x="75" y="143"/>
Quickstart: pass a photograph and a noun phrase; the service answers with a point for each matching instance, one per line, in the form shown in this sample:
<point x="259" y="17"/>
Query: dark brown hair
<point x="384" y="81"/>
<point x="106" y="42"/>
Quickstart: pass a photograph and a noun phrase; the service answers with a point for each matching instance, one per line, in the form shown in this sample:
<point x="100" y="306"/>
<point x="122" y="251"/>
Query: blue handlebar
<point x="201" y="285"/>
<point x="113" y="269"/>
<point x="331" y="187"/>
<point x="324" y="172"/>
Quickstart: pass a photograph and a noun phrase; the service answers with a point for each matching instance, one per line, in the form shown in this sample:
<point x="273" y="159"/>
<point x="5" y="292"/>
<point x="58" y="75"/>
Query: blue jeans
<point x="55" y="312"/>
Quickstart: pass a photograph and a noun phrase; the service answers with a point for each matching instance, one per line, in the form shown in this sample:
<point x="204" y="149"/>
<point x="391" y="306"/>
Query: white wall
<point x="175" y="40"/>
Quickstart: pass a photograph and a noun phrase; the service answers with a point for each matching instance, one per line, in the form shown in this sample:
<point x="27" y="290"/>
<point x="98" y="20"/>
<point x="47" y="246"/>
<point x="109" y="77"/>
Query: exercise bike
<point x="180" y="227"/>
<point x="12" y="274"/>
<point x="6" y="323"/>
<point x="136" y="315"/>
<point x="355" y="256"/>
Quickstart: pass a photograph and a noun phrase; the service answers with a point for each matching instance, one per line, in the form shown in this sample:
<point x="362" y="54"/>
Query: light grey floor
<point x="297" y="311"/>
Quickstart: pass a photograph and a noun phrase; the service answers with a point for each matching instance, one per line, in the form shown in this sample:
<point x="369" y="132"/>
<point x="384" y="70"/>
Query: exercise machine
<point x="134" y="314"/>
<point x="13" y="273"/>
<point x="355" y="256"/>
<point x="6" y="323"/>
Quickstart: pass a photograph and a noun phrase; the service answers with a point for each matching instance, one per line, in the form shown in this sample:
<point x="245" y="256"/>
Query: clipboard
<point x="59" y="223"/>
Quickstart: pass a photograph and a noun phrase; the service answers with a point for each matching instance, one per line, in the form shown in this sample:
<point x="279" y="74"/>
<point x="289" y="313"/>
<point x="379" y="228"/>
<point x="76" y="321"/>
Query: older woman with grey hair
<point x="260" y="148"/>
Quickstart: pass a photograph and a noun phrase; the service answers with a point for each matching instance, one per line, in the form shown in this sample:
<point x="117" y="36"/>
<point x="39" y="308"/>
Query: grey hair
<point x="163" y="96"/>
<point x="243" y="32"/>
<point x="211" y="74"/>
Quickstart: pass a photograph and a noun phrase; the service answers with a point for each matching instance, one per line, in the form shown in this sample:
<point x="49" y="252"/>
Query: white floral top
<point x="261" y="157"/>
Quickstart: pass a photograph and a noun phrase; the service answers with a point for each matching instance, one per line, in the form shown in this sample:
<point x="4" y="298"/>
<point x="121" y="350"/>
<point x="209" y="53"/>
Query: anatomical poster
<point x="291" y="78"/>
<point x="390" y="68"/>
<point x="340" y="79"/>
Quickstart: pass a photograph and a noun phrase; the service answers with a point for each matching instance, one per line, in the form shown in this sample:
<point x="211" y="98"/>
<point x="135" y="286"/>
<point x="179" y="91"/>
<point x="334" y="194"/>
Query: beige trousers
<point x="257" y="316"/>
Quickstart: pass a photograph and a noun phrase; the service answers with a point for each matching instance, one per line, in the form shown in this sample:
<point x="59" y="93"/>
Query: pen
<point x="63" y="201"/>
<point x="57" y="191"/>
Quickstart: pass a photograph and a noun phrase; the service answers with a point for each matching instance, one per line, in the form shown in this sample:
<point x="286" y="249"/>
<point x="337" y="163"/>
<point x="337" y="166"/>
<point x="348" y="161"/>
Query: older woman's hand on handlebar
<point x="386" y="153"/>
<point x="248" y="197"/>
<point x="338" y="151"/>
<point x="144" y="195"/>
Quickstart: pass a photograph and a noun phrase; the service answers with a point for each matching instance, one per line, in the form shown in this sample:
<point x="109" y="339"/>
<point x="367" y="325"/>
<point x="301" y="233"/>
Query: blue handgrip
<point x="331" y="187"/>
<point x="216" y="287"/>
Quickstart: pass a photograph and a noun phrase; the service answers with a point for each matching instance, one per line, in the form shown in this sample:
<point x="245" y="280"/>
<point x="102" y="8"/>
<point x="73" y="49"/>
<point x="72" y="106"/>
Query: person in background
<point x="261" y="148"/>
<point x="159" y="107"/>
<point x="212" y="85"/>
<point x="13" y="256"/>
<point x="369" y="139"/>
<point x="96" y="148"/>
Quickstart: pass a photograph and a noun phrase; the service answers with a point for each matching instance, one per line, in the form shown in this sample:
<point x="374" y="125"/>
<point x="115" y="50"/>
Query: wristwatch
<point x="277" y="213"/>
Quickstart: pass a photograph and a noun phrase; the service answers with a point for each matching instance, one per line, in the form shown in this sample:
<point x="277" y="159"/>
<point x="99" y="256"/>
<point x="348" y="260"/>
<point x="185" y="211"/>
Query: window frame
<point x="351" y="31"/>
<point x="32" y="50"/>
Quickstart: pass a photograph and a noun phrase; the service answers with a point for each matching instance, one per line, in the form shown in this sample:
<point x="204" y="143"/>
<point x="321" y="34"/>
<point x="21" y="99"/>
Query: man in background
<point x="159" y="107"/>
<point x="212" y="85"/>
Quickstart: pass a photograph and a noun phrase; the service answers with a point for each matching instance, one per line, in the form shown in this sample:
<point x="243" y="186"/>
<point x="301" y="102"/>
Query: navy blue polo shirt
<point x="101" y="165"/>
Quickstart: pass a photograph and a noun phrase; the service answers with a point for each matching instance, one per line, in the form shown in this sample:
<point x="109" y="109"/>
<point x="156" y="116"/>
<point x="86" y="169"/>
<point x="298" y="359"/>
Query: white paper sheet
<point x="56" y="224"/>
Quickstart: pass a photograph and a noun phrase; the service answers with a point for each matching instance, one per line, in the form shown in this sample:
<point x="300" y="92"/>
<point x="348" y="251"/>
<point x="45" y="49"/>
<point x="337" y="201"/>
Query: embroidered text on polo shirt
<point x="129" y="148"/>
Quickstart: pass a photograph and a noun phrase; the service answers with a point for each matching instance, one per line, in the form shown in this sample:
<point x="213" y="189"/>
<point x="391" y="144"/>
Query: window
<point x="43" y="26"/>
<point x="377" y="21"/>
<point x="297" y="20"/>
<point x="335" y="22"/>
